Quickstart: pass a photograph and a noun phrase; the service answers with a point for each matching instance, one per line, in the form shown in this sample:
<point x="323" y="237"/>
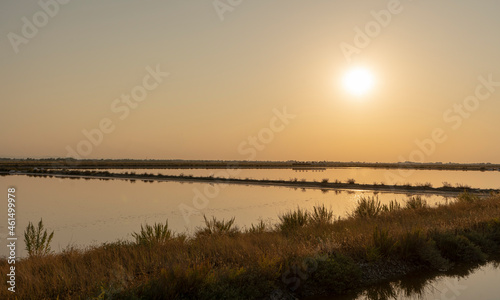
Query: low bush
<point x="336" y="275"/>
<point x="458" y="248"/>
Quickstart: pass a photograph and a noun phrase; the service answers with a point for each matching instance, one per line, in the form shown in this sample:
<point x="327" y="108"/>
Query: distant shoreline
<point x="324" y="185"/>
<point x="230" y="164"/>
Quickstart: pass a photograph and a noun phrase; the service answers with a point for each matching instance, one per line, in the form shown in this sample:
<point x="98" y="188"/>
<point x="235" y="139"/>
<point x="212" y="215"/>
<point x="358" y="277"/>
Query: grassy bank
<point x="307" y="252"/>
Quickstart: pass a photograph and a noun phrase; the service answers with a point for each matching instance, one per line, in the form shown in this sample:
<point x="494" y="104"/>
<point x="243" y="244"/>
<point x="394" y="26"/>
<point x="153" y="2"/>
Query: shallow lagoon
<point x="84" y="212"/>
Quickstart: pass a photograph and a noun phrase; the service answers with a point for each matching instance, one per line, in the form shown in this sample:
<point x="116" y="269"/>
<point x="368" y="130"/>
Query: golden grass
<point x="247" y="265"/>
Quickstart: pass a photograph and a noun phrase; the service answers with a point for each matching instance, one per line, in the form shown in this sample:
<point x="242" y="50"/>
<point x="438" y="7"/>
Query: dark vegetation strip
<point x="324" y="184"/>
<point x="306" y="253"/>
<point x="221" y="164"/>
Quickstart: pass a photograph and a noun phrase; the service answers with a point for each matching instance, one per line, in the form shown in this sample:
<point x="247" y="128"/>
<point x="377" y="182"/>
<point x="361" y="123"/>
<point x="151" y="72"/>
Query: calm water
<point x="82" y="212"/>
<point x="481" y="284"/>
<point x="361" y="175"/>
<point x="86" y="212"/>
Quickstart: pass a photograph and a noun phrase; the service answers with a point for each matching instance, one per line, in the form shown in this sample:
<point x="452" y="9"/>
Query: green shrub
<point x="493" y="231"/>
<point x="37" y="240"/>
<point x="416" y="246"/>
<point x="336" y="274"/>
<point x="430" y="254"/>
<point x="236" y="283"/>
<point x="202" y="282"/>
<point x="486" y="245"/>
<point x="457" y="248"/>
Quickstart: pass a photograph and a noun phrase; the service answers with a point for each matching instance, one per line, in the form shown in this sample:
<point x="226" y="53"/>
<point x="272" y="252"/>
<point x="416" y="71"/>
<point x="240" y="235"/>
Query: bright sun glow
<point x="358" y="81"/>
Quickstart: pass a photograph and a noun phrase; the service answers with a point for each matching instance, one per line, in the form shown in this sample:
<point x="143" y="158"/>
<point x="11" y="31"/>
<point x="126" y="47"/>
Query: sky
<point x="250" y="80"/>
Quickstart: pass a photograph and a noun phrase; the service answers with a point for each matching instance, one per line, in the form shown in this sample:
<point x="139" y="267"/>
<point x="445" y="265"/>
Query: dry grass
<point x="252" y="264"/>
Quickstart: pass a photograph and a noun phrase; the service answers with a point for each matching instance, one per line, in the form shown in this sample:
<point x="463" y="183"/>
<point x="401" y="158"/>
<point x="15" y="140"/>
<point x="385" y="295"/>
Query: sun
<point x="358" y="81"/>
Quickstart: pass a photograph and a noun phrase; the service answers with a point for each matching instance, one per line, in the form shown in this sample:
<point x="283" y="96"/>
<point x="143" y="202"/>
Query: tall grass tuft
<point x="383" y="241"/>
<point x="467" y="197"/>
<point x="257" y="228"/>
<point x="156" y="234"/>
<point x="393" y="206"/>
<point x="216" y="227"/>
<point x="321" y="215"/>
<point x="37" y="240"/>
<point x="293" y="219"/>
<point x="368" y="207"/>
<point x="416" y="202"/>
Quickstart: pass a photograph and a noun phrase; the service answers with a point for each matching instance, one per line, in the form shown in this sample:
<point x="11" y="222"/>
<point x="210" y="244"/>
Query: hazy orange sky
<point x="236" y="69"/>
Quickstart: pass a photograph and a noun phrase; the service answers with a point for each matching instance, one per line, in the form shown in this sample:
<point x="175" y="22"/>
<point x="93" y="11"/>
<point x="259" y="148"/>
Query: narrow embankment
<point x="325" y="185"/>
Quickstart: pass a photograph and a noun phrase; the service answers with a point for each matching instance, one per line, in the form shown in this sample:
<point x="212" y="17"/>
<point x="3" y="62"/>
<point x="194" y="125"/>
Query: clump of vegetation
<point x="383" y="242"/>
<point x="458" y="248"/>
<point x="351" y="181"/>
<point x="467" y="197"/>
<point x="447" y="185"/>
<point x="424" y="185"/>
<point x="367" y="207"/>
<point x="293" y="220"/>
<point x="321" y="215"/>
<point x="216" y="227"/>
<point x="37" y="239"/>
<point x="260" y="227"/>
<point x="393" y="206"/>
<point x="463" y="186"/>
<point x="336" y="274"/>
<point x="416" y="202"/>
<point x="156" y="234"/>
